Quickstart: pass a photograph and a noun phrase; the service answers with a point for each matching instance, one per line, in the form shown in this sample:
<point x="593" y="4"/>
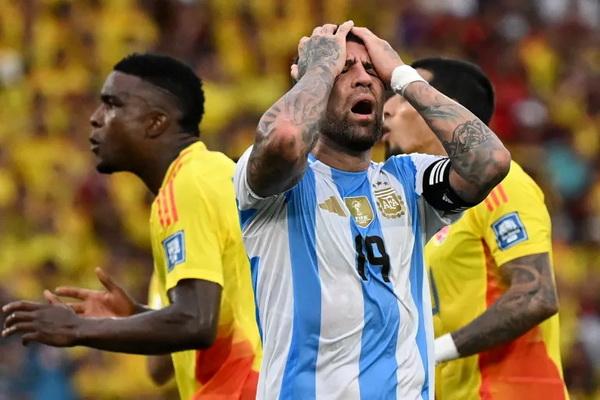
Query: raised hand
<point x="384" y="58"/>
<point x="52" y="324"/>
<point x="326" y="47"/>
<point x="112" y="302"/>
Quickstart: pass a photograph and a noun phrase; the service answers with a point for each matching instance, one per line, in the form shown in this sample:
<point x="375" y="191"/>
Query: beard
<point x="351" y="136"/>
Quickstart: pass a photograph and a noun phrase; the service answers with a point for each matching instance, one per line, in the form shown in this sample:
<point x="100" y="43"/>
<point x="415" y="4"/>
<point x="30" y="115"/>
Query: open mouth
<point x="363" y="107"/>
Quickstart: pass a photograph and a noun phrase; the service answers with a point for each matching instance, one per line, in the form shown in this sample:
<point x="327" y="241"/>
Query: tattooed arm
<point x="530" y="299"/>
<point x="479" y="160"/>
<point x="287" y="131"/>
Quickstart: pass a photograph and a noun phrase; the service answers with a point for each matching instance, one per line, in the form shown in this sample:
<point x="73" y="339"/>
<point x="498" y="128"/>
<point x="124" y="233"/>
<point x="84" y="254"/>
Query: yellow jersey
<point x="465" y="260"/>
<point x="195" y="234"/>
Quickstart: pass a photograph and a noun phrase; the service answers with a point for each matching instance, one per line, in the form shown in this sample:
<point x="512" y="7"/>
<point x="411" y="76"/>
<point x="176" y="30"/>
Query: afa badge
<point x="509" y="230"/>
<point x="174" y="247"/>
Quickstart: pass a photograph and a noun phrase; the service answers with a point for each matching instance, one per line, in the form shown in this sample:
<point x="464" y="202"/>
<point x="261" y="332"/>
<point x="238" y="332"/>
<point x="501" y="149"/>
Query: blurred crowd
<point x="59" y="218"/>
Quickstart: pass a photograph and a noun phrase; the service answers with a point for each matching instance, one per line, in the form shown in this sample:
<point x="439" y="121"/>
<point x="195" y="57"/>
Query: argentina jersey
<point x="341" y="291"/>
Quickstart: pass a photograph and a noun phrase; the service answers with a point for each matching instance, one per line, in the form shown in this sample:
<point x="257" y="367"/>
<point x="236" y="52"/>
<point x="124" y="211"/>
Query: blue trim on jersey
<point x="377" y="365"/>
<point x="403" y="168"/>
<point x="299" y="379"/>
<point x="246" y="216"/>
<point x="254" y="262"/>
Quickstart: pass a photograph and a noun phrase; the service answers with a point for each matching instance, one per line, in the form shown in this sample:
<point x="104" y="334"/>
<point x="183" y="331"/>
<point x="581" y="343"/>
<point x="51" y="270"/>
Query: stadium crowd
<point x="59" y="218"/>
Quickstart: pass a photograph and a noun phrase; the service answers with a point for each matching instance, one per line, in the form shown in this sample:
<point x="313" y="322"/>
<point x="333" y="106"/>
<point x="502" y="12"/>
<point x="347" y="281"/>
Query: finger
<point x="328" y="29"/>
<point x="18" y="316"/>
<point x="106" y="280"/>
<point x="302" y="42"/>
<point x="344" y="28"/>
<point x="52" y="298"/>
<point x="30" y="337"/>
<point x="364" y="33"/>
<point x="317" y="30"/>
<point x="74" y="292"/>
<point x="294" y="72"/>
<point x="78" y="308"/>
<point x="21" y="305"/>
<point x="20" y="327"/>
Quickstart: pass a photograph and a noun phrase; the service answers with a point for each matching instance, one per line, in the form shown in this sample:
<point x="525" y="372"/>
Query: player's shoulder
<point x="202" y="165"/>
<point x="517" y="192"/>
<point x="520" y="186"/>
<point x="410" y="163"/>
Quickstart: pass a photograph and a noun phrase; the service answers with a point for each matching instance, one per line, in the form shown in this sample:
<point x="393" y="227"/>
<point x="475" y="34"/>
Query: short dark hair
<point x="462" y="81"/>
<point x="173" y="76"/>
<point x="352" y="37"/>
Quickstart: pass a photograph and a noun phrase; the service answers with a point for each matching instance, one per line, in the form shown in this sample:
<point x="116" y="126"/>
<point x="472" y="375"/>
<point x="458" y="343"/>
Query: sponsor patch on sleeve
<point x="174" y="247"/>
<point x="509" y="230"/>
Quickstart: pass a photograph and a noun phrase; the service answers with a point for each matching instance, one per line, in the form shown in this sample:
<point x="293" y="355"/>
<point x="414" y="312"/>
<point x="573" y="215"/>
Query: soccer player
<point x="335" y="239"/>
<point x="493" y="292"/>
<point x="147" y="124"/>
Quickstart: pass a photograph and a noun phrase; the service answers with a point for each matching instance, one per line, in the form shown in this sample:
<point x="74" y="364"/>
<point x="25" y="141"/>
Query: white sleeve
<point x="245" y="195"/>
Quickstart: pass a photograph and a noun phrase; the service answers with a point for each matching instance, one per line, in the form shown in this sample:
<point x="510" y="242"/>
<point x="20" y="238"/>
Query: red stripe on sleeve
<point x="488" y="205"/>
<point x="165" y="207"/>
<point x="172" y="201"/>
<point x="502" y="193"/>
<point x="494" y="198"/>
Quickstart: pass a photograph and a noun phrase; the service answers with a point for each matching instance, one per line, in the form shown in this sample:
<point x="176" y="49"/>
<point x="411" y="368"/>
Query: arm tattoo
<point x="530" y="299"/>
<point x="299" y="112"/>
<point x="470" y="144"/>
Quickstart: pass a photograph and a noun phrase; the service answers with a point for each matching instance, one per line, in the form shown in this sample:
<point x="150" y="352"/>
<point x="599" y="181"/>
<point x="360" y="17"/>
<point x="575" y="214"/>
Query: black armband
<point x="437" y="190"/>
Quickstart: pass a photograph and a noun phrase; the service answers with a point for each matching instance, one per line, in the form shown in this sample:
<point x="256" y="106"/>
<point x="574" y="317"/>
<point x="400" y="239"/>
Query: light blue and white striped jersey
<point x="341" y="290"/>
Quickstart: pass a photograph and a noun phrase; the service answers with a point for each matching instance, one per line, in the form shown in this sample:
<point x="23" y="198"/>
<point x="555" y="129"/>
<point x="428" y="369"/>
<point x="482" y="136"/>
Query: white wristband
<point x="445" y="349"/>
<point x="402" y="76"/>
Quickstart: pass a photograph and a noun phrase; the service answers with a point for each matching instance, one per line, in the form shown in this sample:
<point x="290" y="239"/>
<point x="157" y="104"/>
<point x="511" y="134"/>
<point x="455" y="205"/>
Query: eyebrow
<point x="110" y="98"/>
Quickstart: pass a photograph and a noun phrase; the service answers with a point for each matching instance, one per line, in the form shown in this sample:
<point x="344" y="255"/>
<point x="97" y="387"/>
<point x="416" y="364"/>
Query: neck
<point x="154" y="169"/>
<point x="335" y="156"/>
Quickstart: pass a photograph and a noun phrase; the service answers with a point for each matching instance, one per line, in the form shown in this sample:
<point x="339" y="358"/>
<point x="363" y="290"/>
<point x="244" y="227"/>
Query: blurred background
<point x="59" y="218"/>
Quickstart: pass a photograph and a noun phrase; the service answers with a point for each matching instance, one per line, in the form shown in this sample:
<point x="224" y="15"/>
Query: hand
<point x="325" y="46"/>
<point x="51" y="324"/>
<point x="112" y="302"/>
<point x="384" y="58"/>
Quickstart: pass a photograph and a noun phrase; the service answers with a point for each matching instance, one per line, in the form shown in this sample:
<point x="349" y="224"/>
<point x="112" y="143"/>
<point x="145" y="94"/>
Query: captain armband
<point x="437" y="190"/>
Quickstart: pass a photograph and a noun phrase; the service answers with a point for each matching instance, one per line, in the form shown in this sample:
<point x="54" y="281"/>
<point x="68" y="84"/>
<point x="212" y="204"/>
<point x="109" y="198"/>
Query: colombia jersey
<point x="342" y="292"/>
<point x="195" y="234"/>
<point x="465" y="260"/>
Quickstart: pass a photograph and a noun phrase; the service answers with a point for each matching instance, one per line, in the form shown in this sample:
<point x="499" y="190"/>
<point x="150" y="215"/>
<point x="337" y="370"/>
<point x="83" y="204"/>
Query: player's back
<point x="196" y="235"/>
<point x="465" y="260"/>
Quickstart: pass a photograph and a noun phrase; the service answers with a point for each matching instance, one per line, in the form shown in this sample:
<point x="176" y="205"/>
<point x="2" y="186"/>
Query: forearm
<point x="510" y="317"/>
<point x="286" y="134"/>
<point x="152" y="332"/>
<point x="478" y="156"/>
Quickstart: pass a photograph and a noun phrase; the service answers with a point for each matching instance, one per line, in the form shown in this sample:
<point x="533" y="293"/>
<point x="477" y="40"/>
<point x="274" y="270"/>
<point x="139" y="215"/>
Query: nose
<point x="96" y="118"/>
<point x="362" y="77"/>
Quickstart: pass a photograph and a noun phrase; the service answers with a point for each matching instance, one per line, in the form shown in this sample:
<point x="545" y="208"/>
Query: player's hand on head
<point x="51" y="324"/>
<point x="384" y="58"/>
<point x="326" y="47"/>
<point x="111" y="302"/>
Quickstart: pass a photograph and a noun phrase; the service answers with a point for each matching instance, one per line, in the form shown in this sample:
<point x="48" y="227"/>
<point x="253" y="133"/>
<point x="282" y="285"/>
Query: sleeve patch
<point x="174" y="247"/>
<point x="509" y="230"/>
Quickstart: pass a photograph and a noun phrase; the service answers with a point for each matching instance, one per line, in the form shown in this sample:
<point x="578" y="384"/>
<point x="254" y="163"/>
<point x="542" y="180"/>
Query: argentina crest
<point x="361" y="210"/>
<point x="389" y="203"/>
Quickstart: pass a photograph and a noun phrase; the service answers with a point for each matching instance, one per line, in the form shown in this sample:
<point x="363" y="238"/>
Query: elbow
<point x="201" y="332"/>
<point x="284" y="143"/>
<point x="499" y="166"/>
<point x="545" y="309"/>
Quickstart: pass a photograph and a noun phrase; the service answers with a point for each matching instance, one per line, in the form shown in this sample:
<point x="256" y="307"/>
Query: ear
<point x="158" y="122"/>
